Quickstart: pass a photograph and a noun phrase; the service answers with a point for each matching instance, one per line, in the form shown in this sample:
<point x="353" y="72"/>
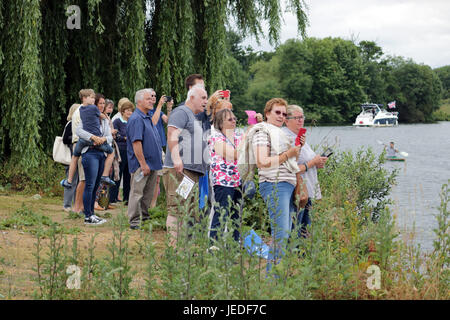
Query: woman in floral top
<point x="226" y="181"/>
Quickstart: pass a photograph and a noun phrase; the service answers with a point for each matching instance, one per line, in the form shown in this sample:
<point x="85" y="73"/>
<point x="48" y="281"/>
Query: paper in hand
<point x="185" y="187"/>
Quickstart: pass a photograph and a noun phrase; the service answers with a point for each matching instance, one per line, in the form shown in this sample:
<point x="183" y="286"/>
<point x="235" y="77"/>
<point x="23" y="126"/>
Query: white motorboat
<point x="374" y="116"/>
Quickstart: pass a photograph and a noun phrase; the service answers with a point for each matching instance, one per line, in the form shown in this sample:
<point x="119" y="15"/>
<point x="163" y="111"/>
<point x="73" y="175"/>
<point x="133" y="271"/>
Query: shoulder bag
<point x="61" y="152"/>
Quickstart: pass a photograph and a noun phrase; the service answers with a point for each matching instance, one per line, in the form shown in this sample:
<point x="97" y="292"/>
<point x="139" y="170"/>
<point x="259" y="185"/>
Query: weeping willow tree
<point x="2" y="127"/>
<point x="189" y="36"/>
<point x="1" y="31"/>
<point x="22" y="91"/>
<point x="122" y="46"/>
<point x="53" y="54"/>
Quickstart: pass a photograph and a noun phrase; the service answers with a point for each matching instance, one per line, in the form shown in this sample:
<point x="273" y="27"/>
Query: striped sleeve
<point x="261" y="138"/>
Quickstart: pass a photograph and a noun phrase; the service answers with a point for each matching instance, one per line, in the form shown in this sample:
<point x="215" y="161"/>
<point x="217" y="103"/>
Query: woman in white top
<point x="308" y="162"/>
<point x="277" y="171"/>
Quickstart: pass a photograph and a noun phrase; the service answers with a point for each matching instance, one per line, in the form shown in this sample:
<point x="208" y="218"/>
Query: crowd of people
<point x="204" y="145"/>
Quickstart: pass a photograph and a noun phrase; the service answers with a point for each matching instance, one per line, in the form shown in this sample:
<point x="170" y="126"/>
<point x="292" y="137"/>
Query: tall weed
<point x="352" y="228"/>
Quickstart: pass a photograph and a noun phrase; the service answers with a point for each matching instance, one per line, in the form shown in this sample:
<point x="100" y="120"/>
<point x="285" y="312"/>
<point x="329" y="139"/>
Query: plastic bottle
<point x="139" y="176"/>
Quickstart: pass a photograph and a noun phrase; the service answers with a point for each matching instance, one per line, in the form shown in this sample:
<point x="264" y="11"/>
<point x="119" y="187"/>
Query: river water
<point x="417" y="192"/>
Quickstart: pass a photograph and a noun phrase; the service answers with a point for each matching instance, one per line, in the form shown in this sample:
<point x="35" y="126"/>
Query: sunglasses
<point x="232" y="119"/>
<point x="278" y="112"/>
<point x="153" y="95"/>
<point x="296" y="118"/>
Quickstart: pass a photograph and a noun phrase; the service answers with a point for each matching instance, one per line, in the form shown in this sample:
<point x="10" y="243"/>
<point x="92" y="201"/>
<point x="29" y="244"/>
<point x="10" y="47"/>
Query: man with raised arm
<point x="144" y="158"/>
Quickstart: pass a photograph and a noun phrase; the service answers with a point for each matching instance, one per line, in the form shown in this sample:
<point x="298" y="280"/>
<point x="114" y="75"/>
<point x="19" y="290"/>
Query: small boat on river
<point x="395" y="159"/>
<point x="372" y="115"/>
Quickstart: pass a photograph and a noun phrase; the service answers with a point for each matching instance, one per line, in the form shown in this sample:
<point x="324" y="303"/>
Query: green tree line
<point x="444" y="75"/>
<point x="332" y="77"/>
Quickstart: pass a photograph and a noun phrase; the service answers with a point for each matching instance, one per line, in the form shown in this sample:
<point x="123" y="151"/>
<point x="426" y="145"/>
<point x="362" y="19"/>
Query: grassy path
<point x="17" y="245"/>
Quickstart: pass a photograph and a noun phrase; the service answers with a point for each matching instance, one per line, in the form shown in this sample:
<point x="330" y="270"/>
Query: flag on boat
<point x="391" y="104"/>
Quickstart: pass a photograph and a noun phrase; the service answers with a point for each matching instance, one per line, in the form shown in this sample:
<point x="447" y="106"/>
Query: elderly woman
<point x="119" y="107"/>
<point x="308" y="162"/>
<point x="226" y="181"/>
<point x="277" y="171"/>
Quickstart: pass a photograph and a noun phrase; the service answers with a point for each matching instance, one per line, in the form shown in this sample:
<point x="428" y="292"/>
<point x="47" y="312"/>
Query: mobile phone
<point x="299" y="135"/>
<point x="225" y="93"/>
<point x="251" y="117"/>
<point x="327" y="153"/>
<point x="168" y="98"/>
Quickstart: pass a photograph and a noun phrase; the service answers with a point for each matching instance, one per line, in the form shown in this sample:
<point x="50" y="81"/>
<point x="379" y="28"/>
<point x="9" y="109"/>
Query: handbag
<point x="300" y="192"/>
<point x="61" y="152"/>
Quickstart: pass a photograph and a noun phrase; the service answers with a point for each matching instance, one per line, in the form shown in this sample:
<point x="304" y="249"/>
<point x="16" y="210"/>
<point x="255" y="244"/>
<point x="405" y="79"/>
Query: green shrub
<point x="45" y="178"/>
<point x="441" y="115"/>
<point x="358" y="178"/>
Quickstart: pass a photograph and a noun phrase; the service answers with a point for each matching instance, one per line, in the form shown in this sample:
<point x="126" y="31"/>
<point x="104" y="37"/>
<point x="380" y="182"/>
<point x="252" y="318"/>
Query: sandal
<point x="98" y="208"/>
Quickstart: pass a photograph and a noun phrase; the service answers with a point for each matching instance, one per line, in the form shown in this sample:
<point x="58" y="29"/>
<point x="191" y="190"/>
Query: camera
<point x="327" y="153"/>
<point x="168" y="98"/>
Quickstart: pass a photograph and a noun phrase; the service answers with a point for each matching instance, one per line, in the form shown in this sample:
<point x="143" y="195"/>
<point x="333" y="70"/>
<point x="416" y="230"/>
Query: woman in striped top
<point x="277" y="169"/>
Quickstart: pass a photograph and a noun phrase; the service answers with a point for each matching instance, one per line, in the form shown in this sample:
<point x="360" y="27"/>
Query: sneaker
<point x="94" y="220"/>
<point x="135" y="227"/>
<point x="67" y="209"/>
<point x="66" y="184"/>
<point x="107" y="180"/>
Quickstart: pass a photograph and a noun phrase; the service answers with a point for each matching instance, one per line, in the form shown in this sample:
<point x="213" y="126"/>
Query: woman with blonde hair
<point x="69" y="193"/>
<point x="226" y="181"/>
<point x="119" y="108"/>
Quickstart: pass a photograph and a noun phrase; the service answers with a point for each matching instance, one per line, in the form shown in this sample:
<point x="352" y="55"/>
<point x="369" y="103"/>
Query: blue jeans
<point x="93" y="164"/>
<point x="105" y="147"/>
<point x="69" y="193"/>
<point x="278" y="198"/>
<point x="303" y="219"/>
<point x="123" y="174"/>
<point x="221" y="196"/>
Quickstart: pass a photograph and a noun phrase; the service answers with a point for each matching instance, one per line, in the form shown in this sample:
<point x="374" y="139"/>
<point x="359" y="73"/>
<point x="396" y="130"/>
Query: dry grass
<point x="17" y="278"/>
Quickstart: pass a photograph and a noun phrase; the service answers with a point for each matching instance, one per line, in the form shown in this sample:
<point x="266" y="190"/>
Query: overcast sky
<point x="417" y="29"/>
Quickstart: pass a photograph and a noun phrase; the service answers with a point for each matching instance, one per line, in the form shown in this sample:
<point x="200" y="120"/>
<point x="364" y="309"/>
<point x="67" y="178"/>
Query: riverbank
<point x="353" y="251"/>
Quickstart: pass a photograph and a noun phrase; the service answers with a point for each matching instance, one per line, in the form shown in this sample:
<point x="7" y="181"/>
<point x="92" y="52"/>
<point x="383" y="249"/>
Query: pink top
<point x="223" y="172"/>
